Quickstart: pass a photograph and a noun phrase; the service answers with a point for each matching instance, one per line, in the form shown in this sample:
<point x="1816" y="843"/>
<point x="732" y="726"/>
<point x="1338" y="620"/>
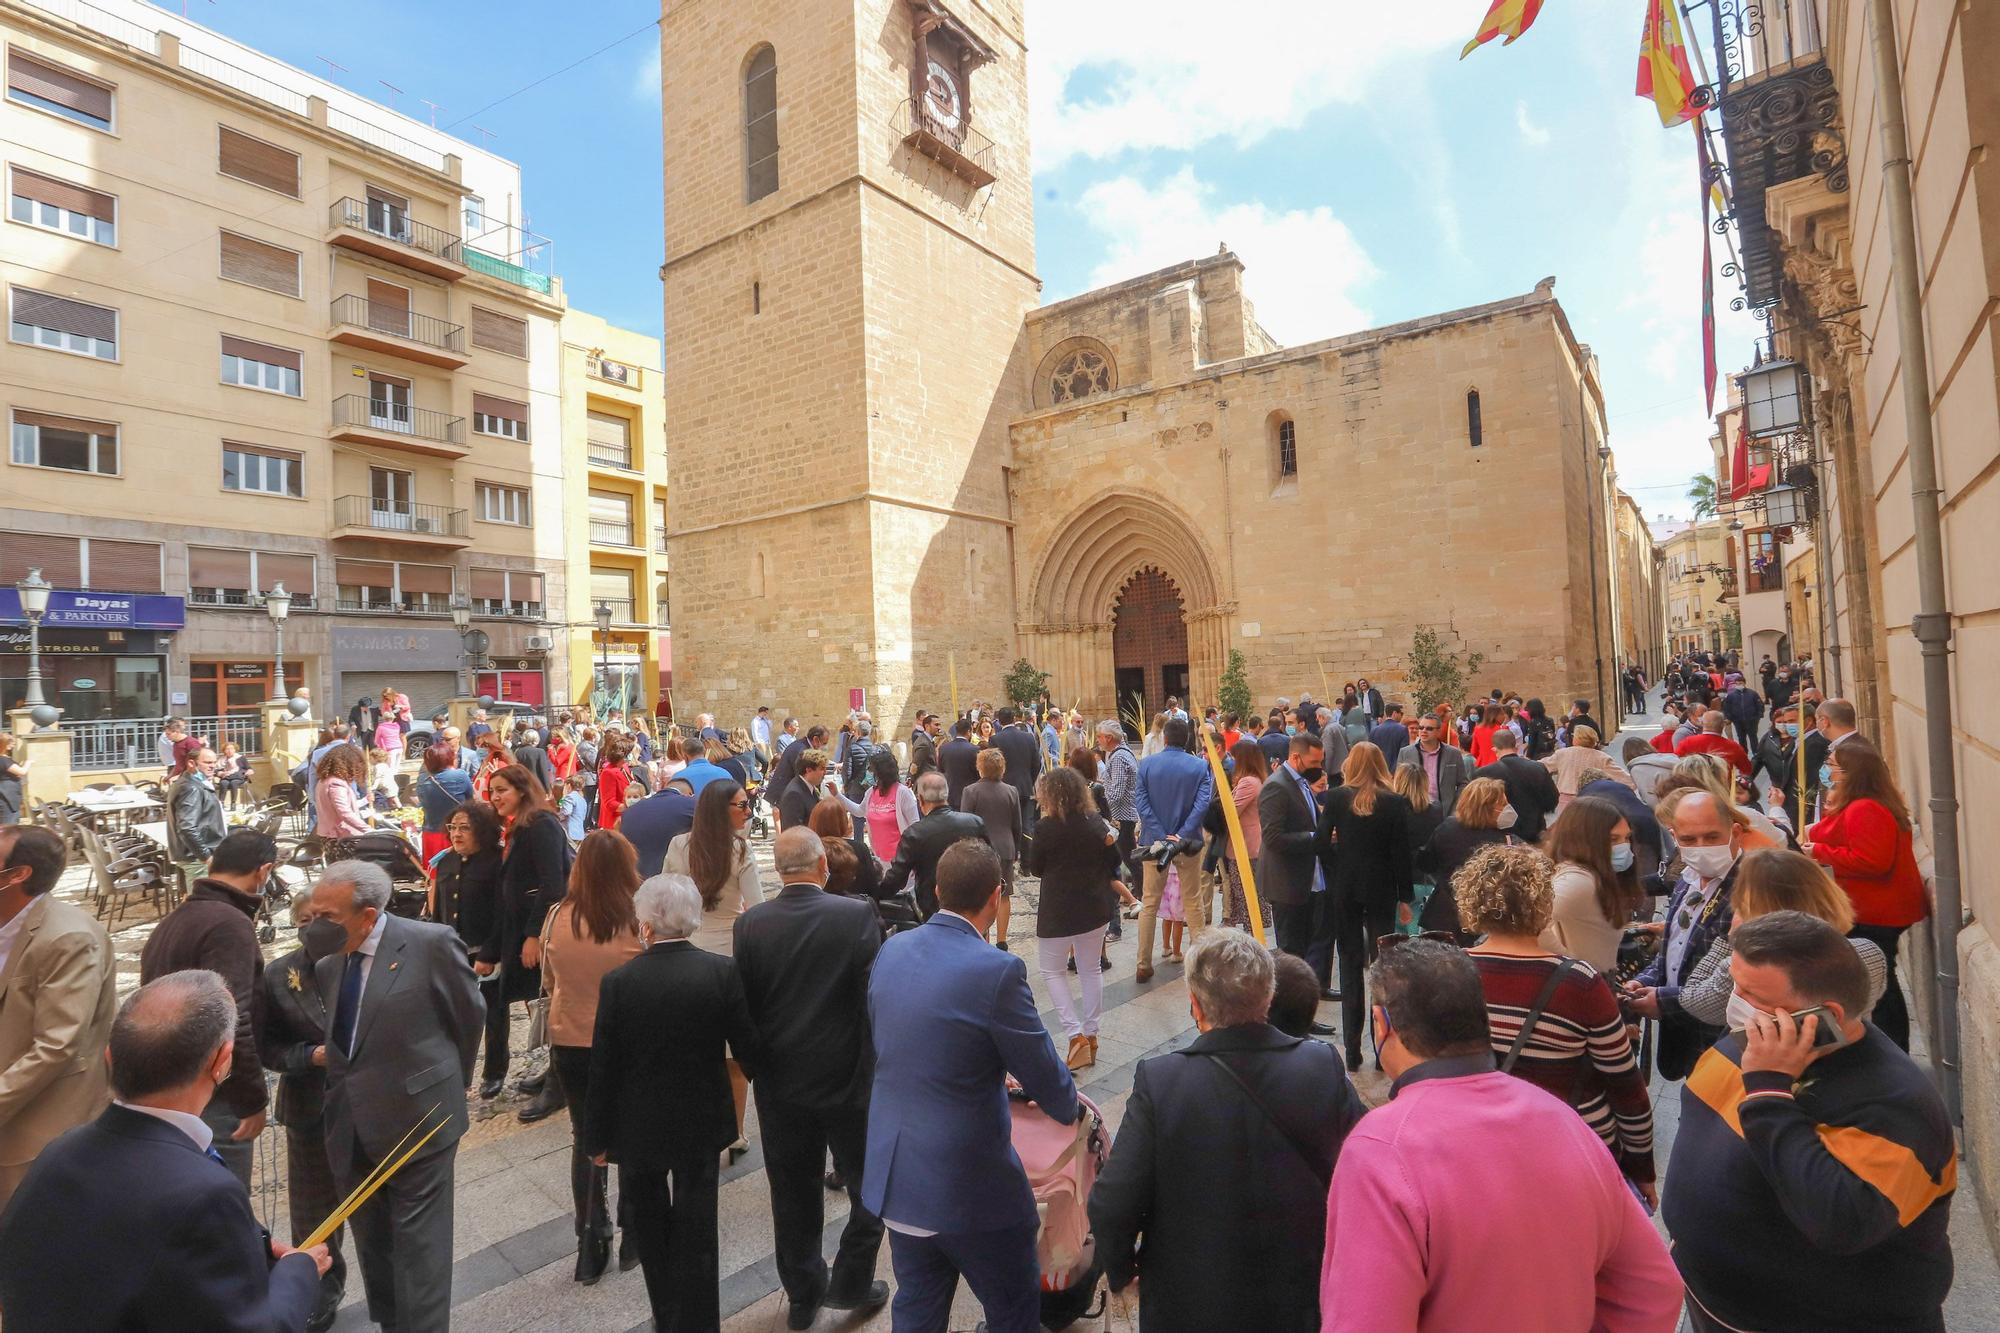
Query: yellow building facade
<point x="614" y="515"/>
<point x="1694" y="559"/>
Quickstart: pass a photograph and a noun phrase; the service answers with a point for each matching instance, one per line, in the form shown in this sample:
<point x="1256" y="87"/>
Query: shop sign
<point x="80" y="642"/>
<point x="366" y="648"/>
<point x="246" y="670"/>
<point x="131" y="609"/>
<point x="82" y="683"/>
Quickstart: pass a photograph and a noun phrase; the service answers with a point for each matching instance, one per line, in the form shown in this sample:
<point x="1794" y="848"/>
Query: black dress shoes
<point x="628" y="1252"/>
<point x="546" y="1103"/>
<point x="1321" y="1029"/>
<point x="490" y="1089"/>
<point x="876" y="1295"/>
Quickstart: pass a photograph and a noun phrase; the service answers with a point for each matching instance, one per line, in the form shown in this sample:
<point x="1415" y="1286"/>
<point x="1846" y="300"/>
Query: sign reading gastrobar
<point x="129" y="610"/>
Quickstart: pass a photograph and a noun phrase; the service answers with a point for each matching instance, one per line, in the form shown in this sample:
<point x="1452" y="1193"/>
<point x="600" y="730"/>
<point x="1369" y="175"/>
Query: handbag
<point x="1325" y="1178"/>
<point x="538" y="1008"/>
<point x="1534" y="1014"/>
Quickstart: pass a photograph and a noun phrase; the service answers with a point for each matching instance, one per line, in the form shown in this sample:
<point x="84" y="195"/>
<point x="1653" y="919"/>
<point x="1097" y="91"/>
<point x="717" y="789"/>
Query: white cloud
<point x="1174" y="77"/>
<point x="1531" y="134"/>
<point x="1303" y="266"/>
<point x="646" y="78"/>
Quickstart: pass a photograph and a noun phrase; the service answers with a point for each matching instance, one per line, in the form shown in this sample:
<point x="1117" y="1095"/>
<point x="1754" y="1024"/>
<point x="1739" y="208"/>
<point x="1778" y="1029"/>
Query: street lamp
<point x="1785" y="506"/>
<point x="603" y="618"/>
<point x="34" y="591"/>
<point x="1771" y="394"/>
<point x="278" y="605"/>
<point x="461" y="618"/>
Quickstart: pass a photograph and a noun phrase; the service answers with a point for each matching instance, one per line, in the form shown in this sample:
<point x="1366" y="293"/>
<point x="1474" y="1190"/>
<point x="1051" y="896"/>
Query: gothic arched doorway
<point x="1149" y="642"/>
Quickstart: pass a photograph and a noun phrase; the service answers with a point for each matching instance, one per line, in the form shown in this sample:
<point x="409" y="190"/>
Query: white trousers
<point x="1053" y="956"/>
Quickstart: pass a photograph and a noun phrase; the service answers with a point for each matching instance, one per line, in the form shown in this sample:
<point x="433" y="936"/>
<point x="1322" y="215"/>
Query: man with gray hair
<point x="1332" y="738"/>
<point x="131" y="1221"/>
<point x="1118" y="770"/>
<point x="1223" y="1159"/>
<point x="659" y="1102"/>
<point x="804" y="957"/>
<point x="404" y="1023"/>
<point x="938" y="826"/>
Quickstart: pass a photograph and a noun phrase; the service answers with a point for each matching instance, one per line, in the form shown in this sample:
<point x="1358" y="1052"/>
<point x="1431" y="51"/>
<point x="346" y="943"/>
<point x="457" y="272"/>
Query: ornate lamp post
<point x="278" y="605"/>
<point x="603" y="618"/>
<point x="461" y="617"/>
<point x="34" y="591"/>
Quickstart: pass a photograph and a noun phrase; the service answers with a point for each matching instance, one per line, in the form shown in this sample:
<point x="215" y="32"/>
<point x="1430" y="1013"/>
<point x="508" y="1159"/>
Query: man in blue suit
<point x="952" y="1018"/>
<point x="1173" y="791"/>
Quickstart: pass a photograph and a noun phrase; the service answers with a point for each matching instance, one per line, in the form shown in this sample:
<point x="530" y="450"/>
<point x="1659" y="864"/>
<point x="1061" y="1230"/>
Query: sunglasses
<point x="1383" y="942"/>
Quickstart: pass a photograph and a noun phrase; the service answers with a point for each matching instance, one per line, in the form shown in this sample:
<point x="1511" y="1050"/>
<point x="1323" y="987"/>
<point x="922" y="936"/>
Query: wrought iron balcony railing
<point x="399" y="322"/>
<point x="360" y="411"/>
<point x="385" y="220"/>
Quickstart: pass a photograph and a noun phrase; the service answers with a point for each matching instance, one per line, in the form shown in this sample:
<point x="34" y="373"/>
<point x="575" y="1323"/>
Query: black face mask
<point x="322" y="937"/>
<point x="1313" y="774"/>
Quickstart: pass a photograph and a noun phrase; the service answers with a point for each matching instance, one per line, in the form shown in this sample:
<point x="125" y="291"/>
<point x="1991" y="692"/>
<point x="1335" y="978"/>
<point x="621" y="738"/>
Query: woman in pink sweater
<point x="1252" y="768"/>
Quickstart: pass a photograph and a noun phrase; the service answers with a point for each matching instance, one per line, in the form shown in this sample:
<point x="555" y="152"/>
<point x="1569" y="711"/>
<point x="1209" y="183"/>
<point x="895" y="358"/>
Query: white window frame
<point x="61" y="112"/>
<point x="302" y="600"/>
<point x="66" y="220"/>
<point x="505" y="428"/>
<point x="474" y="216"/>
<point x="483" y="606"/>
<point x="15" y="438"/>
<point x="52" y="340"/>
<point x="514" y="499"/>
<point x="296" y="460"/>
<point x="265" y="370"/>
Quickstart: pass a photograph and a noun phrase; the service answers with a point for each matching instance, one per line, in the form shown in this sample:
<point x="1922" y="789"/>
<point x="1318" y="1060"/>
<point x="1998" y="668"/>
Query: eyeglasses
<point x="739" y="805"/>
<point x="458" y="826"/>
<point x="1383" y="942"/>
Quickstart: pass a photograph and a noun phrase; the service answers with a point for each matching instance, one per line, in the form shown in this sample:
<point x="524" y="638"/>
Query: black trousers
<point x="497" y="1025"/>
<point x="673" y="1217"/>
<point x="1295" y="926"/>
<point x="1746" y="736"/>
<point x="313" y="1197"/>
<point x="1892" y="1012"/>
<point x="796" y="1140"/>
<point x="588" y="1183"/>
<point x="1356" y="928"/>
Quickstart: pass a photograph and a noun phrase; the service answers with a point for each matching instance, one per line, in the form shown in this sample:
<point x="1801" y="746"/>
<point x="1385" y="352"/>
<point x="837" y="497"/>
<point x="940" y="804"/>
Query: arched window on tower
<point x="1281" y="436"/>
<point x="760" y="124"/>
<point x="1288" y="449"/>
<point x="1473" y="431"/>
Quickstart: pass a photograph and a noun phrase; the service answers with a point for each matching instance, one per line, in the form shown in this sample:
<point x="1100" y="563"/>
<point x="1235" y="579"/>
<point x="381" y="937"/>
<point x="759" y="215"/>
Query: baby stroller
<point x="409" y="882"/>
<point x="760" y="811"/>
<point x="1062" y="1162"/>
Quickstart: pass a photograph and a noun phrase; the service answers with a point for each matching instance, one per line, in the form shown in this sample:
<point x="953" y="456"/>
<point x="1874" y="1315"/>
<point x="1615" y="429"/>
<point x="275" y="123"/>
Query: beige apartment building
<point x="1695" y="583"/>
<point x="251" y="343"/>
<point x="615" y="515"/>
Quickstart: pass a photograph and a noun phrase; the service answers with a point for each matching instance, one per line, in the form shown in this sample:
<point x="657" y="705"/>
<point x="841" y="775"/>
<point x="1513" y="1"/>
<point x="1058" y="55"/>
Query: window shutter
<point x="52" y="83"/>
<point x="59" y="558"/>
<point x="506" y="408"/>
<point x="124" y="566"/>
<point x="210" y="567"/>
<point x="527" y="587"/>
<point x="610" y="507"/>
<point x="614" y="585"/>
<point x="61" y="194"/>
<point x="499" y="333"/>
<point x="67" y="316"/>
<point x="271" y="267"/>
<point x="294" y="571"/>
<point x="64" y="423"/>
<point x="610" y="431"/>
<point x="361" y="573"/>
<point x="260" y="163"/>
<point x="249" y="351"/>
<point x="488" y="584"/>
<point x="388" y="307"/>
<point x="427" y="578"/>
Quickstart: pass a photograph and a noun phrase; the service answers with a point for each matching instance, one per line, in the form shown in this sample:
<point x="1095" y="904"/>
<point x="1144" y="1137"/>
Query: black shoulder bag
<point x="1534" y="1014"/>
<point x="1325" y="1178"/>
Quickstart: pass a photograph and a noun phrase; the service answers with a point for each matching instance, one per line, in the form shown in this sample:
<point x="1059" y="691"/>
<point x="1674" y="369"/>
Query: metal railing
<point x="242" y="80"/>
<point x="242" y="599"/>
<point x="98" y="744"/>
<point x="86" y="15"/>
<point x="400" y="322"/>
<point x="493" y="266"/>
<point x="613" y="372"/>
<point x="660" y="620"/>
<point x="967" y="144"/>
<point x="359" y="410"/>
<point x="610" y="534"/>
<point x="377" y="219"/>
<point x="611" y="455"/>
<point x="500" y="606"/>
<point x="370" y="133"/>
<point x="659" y="539"/>
<point x="361" y="511"/>
<point x="621" y="608"/>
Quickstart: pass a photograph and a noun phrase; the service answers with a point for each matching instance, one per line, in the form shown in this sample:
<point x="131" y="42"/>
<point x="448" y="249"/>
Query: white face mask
<point x="1709" y="862"/>
<point x="1509" y="817"/>
<point x="1739" y="1013"/>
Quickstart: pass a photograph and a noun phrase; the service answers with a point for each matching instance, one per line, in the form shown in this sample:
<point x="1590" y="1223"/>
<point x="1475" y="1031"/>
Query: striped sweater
<point x="1579" y="1050"/>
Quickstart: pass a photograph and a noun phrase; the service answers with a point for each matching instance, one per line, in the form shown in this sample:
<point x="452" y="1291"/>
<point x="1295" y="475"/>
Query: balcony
<point x="507" y="271"/>
<point x="372" y="228"/>
<point x="660" y="540"/>
<point x="660" y="620"/>
<point x="505" y="609"/>
<point x="382" y="602"/>
<point x="401" y="521"/>
<point x="241" y="599"/>
<point x="610" y="534"/>
<point x="398" y="331"/>
<point x="359" y="419"/>
<point x="959" y="149"/>
<point x="621" y="609"/>
<point x="613" y="372"/>
<point x="611" y="456"/>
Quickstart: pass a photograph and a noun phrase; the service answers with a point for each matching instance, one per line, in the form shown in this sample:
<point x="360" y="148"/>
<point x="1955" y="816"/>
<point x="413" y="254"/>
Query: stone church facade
<point x="892" y="466"/>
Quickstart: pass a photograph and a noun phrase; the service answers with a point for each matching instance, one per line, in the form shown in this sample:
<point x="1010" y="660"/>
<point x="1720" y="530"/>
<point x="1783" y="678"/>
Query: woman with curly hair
<point x="340" y="814"/>
<point x="1577" y="1048"/>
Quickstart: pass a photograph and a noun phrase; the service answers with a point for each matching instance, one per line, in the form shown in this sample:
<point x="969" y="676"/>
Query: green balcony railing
<point x="507" y="271"/>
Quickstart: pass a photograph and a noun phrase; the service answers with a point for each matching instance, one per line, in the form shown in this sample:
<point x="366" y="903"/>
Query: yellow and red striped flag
<point x="1664" y="74"/>
<point x="1505" y="18"/>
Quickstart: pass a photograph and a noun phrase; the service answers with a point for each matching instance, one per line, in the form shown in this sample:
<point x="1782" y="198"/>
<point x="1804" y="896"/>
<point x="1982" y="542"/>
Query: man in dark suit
<point x="958" y="760"/>
<point x="291" y="1039"/>
<point x="1223" y="1159"/>
<point x="1291" y="869"/>
<point x="650" y="825"/>
<point x="798" y="797"/>
<point x="1016" y="740"/>
<point x="1390" y="735"/>
<point x="1442" y="763"/>
<point x="938" y="826"/>
<point x="405" y="1023"/>
<point x="953" y="1018"/>
<point x="195" y="822"/>
<point x="657" y="1061"/>
<point x="129" y="1221"/>
<point x="526" y="747"/>
<point x="924" y="743"/>
<point x="804" y="958"/>
<point x="1531" y="790"/>
<point x="1273" y="741"/>
<point x="786" y="766"/>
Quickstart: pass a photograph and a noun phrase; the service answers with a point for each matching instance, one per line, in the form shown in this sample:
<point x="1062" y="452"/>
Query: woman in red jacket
<point x="1865" y="841"/>
<point x="614" y="780"/>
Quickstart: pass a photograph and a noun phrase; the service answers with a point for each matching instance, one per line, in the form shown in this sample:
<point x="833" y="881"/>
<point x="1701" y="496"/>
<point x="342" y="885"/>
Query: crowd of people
<point x="1476" y="885"/>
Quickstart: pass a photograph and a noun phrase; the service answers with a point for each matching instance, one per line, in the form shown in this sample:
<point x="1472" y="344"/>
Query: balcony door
<point x="389" y="498"/>
<point x="389" y="403"/>
<point x="388" y="214"/>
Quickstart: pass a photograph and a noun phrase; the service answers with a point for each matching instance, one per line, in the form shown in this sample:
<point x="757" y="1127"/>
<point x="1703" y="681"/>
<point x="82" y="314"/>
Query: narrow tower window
<point x="760" y="125"/>
<point x="1472" y="427"/>
<point x="1288" y="449"/>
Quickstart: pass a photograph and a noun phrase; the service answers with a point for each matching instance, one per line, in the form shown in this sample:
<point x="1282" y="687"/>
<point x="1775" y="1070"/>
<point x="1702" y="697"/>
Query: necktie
<point x="349" y="1007"/>
<point x="216" y="1155"/>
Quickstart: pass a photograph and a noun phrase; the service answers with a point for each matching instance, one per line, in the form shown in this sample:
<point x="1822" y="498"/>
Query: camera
<point x="1162" y="853"/>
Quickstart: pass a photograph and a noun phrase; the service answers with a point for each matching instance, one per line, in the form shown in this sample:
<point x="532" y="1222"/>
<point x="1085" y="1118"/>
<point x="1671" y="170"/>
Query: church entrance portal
<point x="1149" y="642"/>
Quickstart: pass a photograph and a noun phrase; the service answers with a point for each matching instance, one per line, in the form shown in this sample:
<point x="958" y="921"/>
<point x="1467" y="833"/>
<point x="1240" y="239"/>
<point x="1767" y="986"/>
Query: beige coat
<point x="573" y="967"/>
<point x="1579" y="764"/>
<point x="744" y="891"/>
<point x="58" y="995"/>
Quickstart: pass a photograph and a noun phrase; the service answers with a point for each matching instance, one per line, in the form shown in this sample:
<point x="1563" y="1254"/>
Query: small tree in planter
<point x="1232" y="692"/>
<point x="1025" y="685"/>
<point x="1434" y="673"/>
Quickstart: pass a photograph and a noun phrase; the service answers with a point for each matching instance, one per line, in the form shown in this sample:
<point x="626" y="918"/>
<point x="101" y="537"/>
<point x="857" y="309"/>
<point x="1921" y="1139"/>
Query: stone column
<point x="288" y="742"/>
<point x="47" y="755"/>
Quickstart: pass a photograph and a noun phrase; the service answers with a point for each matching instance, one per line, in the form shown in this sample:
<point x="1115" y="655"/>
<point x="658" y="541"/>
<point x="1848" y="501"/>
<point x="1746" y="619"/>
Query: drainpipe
<point x="1932" y="623"/>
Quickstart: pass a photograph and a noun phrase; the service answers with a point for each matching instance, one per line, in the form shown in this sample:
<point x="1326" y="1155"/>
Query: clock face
<point x="942" y="98"/>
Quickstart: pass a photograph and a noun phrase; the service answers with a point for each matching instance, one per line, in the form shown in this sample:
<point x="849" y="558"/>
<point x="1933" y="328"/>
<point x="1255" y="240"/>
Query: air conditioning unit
<point x="540" y="643"/>
<point x="421" y="524"/>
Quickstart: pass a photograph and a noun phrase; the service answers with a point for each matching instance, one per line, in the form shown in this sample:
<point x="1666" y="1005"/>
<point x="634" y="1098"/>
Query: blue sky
<point x="1341" y="148"/>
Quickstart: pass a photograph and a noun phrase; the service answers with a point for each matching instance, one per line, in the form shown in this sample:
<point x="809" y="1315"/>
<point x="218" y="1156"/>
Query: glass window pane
<point x="22" y="208"/>
<point x="107" y="453"/>
<point x="65" y="449"/>
<point x="232" y="470"/>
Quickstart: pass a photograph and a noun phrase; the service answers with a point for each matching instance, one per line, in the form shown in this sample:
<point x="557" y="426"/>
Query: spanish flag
<point x="1664" y="75"/>
<point x="1506" y="18"/>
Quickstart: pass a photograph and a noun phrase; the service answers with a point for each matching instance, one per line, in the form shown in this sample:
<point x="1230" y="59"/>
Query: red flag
<point x="1707" y="275"/>
<point x="1739" y="455"/>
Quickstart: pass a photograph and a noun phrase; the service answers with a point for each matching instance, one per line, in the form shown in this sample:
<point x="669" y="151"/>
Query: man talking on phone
<point x="1811" y="1179"/>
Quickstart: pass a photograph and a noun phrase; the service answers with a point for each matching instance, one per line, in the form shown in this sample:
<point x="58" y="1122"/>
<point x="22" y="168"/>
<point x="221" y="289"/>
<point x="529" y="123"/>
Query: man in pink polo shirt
<point x="1472" y="1199"/>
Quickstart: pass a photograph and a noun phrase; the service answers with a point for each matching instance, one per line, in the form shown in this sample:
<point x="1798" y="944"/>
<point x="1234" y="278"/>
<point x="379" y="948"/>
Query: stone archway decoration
<point x="1075" y="369"/>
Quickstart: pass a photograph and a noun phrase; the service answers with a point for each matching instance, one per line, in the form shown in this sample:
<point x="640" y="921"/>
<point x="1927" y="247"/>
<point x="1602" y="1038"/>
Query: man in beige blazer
<point x="58" y="994"/>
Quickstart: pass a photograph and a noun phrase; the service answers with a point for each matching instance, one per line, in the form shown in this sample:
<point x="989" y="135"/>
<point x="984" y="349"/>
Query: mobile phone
<point x="1826" y="1034"/>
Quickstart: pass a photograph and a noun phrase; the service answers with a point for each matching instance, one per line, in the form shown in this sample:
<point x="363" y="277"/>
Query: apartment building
<point x="615" y="459"/>
<point x="263" y="332"/>
<point x="1697" y="579"/>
